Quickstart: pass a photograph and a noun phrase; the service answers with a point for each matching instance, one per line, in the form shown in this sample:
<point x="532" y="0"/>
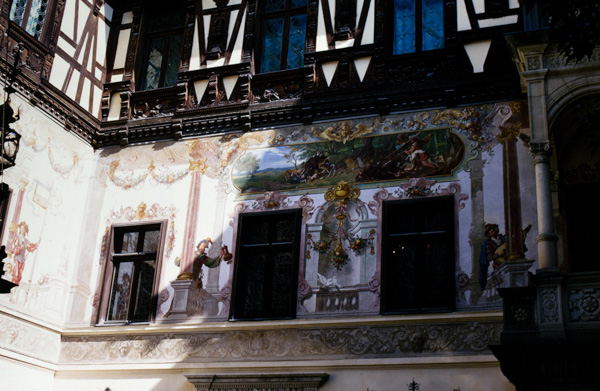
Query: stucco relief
<point x="23" y="338"/>
<point x="325" y="343"/>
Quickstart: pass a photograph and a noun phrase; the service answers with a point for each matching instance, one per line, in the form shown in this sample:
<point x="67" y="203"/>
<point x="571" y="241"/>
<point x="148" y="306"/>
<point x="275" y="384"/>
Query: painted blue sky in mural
<point x="269" y="159"/>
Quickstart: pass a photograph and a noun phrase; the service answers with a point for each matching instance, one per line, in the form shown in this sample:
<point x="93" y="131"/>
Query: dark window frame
<point x="114" y="257"/>
<point x="41" y="23"/>
<point x="419" y="28"/>
<point x="286" y="13"/>
<point x="168" y="34"/>
<point x="389" y="283"/>
<point x="241" y="268"/>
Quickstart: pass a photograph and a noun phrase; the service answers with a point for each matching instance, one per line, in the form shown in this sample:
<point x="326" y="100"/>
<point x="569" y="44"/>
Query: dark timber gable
<point x="438" y="78"/>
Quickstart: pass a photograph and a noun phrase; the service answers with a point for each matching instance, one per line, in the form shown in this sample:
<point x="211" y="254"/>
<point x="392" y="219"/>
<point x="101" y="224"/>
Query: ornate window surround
<point x="273" y="201"/>
<point x="266" y="382"/>
<point x="102" y="296"/>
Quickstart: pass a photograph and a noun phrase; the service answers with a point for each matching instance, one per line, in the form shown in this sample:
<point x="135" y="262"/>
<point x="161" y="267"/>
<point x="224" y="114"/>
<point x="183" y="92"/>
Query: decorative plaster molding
<point x="549" y="312"/>
<point x="29" y="340"/>
<point x="584" y="305"/>
<point x="276" y="344"/>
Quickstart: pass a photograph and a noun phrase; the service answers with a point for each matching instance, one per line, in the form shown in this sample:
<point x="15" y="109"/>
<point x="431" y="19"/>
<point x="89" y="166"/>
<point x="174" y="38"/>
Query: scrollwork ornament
<point x="549" y="307"/>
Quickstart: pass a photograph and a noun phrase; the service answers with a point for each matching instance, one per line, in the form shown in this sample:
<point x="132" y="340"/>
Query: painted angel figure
<point x="201" y="258"/>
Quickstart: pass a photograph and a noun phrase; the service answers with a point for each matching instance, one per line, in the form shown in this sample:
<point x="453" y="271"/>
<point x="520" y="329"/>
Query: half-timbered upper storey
<point x="120" y="72"/>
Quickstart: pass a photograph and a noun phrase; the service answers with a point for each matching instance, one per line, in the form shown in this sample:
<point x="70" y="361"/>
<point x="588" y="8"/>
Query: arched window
<point x="577" y="143"/>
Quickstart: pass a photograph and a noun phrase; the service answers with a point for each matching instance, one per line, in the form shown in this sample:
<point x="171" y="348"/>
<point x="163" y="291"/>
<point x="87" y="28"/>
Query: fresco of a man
<point x="19" y="245"/>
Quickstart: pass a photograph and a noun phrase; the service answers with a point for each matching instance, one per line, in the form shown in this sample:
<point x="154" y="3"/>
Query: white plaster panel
<point x="206" y="20"/>
<point x="208" y="4"/>
<point x="511" y="19"/>
<point x="107" y="11"/>
<point x="101" y="42"/>
<point x="232" y="18"/>
<point x="68" y="22"/>
<point x="98" y="73"/>
<point x="59" y="71"/>
<point x="127" y="17"/>
<point x="236" y="55"/>
<point x="73" y="84"/>
<point x="115" y="78"/>
<point x="462" y="17"/>
<point x="97" y="101"/>
<point x="84" y="12"/>
<point x="83" y="44"/>
<point x="348" y="43"/>
<point x="229" y="84"/>
<point x="195" y="57"/>
<point x="85" y="94"/>
<point x="477" y="52"/>
<point x="329" y="69"/>
<point x="200" y="88"/>
<point x="369" y="31"/>
<point x="362" y="64"/>
<point x="331" y="10"/>
<point x="114" y="109"/>
<point x="321" y="44"/>
<point x="512" y="4"/>
<point x="479" y="6"/>
<point x="121" y="53"/>
<point x="66" y="46"/>
<point x="215" y="63"/>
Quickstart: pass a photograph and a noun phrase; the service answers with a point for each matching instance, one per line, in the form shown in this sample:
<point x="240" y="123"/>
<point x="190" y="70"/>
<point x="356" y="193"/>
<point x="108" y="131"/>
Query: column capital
<point x="540" y="151"/>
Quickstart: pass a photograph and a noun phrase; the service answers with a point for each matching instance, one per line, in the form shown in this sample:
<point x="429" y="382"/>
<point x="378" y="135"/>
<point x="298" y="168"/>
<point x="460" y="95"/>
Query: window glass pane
<point x="155" y="55"/>
<point x="34" y="14"/>
<point x="17" y="10"/>
<point x="160" y="21"/>
<point x="121" y="291"/>
<point x="433" y="24"/>
<point x="298" y="3"/>
<point x="178" y="18"/>
<point x="282" y="283"/>
<point x="254" y="280"/>
<point x="402" y="274"/>
<point x="143" y="297"/>
<point x="284" y="231"/>
<point x="274" y="5"/>
<point x="130" y="241"/>
<point x="436" y="273"/>
<point x="151" y="241"/>
<point x="295" y="57"/>
<point x="272" y="44"/>
<point x="259" y="232"/>
<point x="404" y="26"/>
<point x="175" y="47"/>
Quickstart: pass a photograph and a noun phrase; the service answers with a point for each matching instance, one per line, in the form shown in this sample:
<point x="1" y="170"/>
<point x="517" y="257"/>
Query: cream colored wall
<point x="54" y="174"/>
<point x="380" y="375"/>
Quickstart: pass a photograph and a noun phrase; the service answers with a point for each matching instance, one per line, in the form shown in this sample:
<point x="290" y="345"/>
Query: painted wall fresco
<point x="42" y="234"/>
<point x="365" y="160"/>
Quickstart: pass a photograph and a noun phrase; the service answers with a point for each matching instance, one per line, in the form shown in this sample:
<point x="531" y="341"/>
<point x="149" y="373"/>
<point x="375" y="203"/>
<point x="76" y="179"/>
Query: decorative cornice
<point x="407" y="340"/>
